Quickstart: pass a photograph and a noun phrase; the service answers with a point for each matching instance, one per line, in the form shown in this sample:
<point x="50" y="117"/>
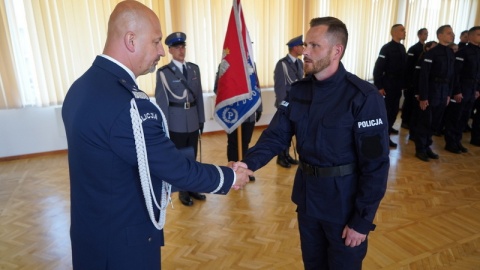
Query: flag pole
<point x="239" y="143"/>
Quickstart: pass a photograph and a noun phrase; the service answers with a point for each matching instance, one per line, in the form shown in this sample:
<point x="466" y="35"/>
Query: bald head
<point x="133" y="31"/>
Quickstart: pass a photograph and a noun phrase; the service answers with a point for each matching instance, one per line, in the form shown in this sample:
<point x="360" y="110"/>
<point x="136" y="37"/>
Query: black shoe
<point x="251" y="178"/>
<point x="185" y="198"/>
<point x="392" y="144"/>
<point x="467" y="129"/>
<point x="437" y="133"/>
<point x="422" y="156"/>
<point x="405" y="125"/>
<point x="462" y="148"/>
<point x="431" y="154"/>
<point x="453" y="149"/>
<point x="197" y="196"/>
<point x="283" y="162"/>
<point x="291" y="160"/>
<point x="393" y="131"/>
<point x="475" y="143"/>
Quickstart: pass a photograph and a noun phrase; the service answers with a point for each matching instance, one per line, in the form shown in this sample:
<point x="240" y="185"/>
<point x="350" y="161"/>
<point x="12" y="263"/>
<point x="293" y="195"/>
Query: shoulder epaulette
<point x="163" y="67"/>
<point x="193" y="64"/>
<point x="362" y="85"/>
<point x="133" y="89"/>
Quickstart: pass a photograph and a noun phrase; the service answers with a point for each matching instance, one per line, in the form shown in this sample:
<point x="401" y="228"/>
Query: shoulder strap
<point x="183" y="82"/>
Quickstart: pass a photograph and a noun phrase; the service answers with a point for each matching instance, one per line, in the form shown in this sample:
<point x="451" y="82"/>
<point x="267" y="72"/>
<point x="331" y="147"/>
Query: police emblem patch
<point x="230" y="115"/>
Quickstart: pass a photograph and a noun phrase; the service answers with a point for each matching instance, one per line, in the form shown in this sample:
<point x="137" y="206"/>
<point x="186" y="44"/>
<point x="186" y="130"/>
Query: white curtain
<point x="46" y="45"/>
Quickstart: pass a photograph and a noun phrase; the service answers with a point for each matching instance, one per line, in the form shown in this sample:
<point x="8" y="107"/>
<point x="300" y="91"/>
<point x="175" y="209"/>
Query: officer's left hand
<point x="257" y="116"/>
<point x="477" y="94"/>
<point x="352" y="238"/>
<point x="201" y="127"/>
<point x="458" y="97"/>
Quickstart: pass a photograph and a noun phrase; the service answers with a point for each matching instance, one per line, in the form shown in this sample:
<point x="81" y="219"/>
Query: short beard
<point x="320" y="65"/>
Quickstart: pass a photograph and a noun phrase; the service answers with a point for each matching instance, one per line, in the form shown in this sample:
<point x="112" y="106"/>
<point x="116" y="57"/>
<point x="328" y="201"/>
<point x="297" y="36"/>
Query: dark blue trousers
<point x="323" y="246"/>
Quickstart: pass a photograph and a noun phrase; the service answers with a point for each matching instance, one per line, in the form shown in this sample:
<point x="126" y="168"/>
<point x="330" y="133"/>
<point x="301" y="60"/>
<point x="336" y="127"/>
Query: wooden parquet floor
<point x="429" y="218"/>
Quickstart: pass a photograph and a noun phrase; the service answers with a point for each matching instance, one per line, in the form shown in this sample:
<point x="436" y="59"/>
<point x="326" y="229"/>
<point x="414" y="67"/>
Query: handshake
<point x="242" y="174"/>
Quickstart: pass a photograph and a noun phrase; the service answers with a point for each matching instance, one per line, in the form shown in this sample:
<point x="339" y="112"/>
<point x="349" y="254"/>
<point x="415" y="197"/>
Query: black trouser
<point x="232" y="141"/>
<point x="408" y="105"/>
<point x="414" y="119"/>
<point x="456" y="119"/>
<point x="476" y="123"/>
<point x="323" y="247"/>
<point x="392" y="104"/>
<point x="428" y="119"/>
<point x="182" y="140"/>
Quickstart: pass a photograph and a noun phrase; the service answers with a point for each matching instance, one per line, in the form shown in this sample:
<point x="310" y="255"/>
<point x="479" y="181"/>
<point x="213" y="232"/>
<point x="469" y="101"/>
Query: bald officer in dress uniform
<point x="179" y="94"/>
<point x="342" y="139"/>
<point x="115" y="224"/>
<point x="288" y="70"/>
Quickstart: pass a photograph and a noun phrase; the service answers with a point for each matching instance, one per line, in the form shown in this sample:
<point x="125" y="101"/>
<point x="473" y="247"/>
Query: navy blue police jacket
<point x="413" y="54"/>
<point x="341" y="120"/>
<point x="437" y="75"/>
<point x="110" y="224"/>
<point x="467" y="71"/>
<point x="389" y="72"/>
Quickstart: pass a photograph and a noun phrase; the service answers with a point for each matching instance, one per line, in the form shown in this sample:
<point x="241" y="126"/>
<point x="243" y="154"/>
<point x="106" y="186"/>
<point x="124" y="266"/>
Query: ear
<point x="338" y="50"/>
<point x="129" y="40"/>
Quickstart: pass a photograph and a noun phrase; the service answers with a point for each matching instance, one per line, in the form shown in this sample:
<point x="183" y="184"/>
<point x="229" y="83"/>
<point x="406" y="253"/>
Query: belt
<point x="185" y="105"/>
<point x="440" y="80"/>
<point x="341" y="170"/>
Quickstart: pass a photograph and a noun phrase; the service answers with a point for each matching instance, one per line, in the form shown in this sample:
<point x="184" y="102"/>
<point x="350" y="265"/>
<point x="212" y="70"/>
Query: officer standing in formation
<point x="288" y="70"/>
<point x="463" y="39"/>
<point x="465" y="91"/>
<point x="342" y="139"/>
<point x="414" y="83"/>
<point x="413" y="54"/>
<point x="179" y="95"/>
<point x="389" y="75"/>
<point x="435" y="88"/>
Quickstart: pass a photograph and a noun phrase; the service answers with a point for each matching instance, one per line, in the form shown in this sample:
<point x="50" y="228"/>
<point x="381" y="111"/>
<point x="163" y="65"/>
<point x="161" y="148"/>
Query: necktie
<point x="185" y="71"/>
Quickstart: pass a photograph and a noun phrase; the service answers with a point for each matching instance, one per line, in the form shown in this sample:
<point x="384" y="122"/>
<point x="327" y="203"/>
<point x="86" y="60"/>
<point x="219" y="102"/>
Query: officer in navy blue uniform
<point x="179" y="94"/>
<point x="389" y="74"/>
<point x="413" y="54"/>
<point x="465" y="91"/>
<point x="435" y="88"/>
<point x="414" y="84"/>
<point x="342" y="139"/>
<point x="288" y="70"/>
<point x="113" y="225"/>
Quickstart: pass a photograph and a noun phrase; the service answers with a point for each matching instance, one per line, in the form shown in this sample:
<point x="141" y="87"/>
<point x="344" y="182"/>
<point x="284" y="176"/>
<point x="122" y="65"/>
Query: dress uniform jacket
<point x="110" y="224"/>
<point x="338" y="121"/>
<point x="173" y="97"/>
<point x="286" y="72"/>
<point x="436" y="75"/>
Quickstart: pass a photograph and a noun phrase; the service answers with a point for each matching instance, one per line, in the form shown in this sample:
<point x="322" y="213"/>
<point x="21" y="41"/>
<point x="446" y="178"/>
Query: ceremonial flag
<point x="238" y="92"/>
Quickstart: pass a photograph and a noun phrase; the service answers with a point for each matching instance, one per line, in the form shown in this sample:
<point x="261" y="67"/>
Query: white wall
<point x="36" y="130"/>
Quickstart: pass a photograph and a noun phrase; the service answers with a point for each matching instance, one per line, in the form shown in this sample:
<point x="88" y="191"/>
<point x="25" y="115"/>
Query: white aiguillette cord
<point x="144" y="170"/>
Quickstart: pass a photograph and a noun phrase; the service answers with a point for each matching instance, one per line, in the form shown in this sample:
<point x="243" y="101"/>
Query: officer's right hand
<point x="382" y="92"/>
<point x="423" y="104"/>
<point x="242" y="175"/>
